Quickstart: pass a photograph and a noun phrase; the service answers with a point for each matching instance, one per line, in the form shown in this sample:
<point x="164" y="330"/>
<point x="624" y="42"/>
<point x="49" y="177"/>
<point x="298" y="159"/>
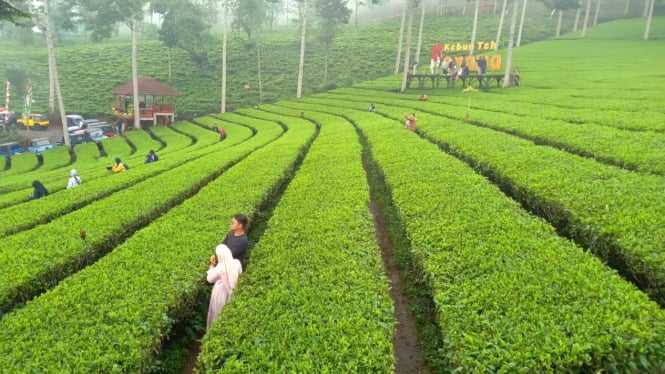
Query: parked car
<point x="7" y="118"/>
<point x="75" y="137"/>
<point x="10" y="149"/>
<point x="74" y="122"/>
<point x="40" y="145"/>
<point x="104" y="126"/>
<point x="36" y="121"/>
<point x="86" y="122"/>
<point x="95" y="134"/>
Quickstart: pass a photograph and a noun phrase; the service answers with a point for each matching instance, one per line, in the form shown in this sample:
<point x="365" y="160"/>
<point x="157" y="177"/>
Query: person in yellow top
<point x="119" y="167"/>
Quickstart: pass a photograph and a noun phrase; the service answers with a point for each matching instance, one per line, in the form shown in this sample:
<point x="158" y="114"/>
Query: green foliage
<point x="511" y="294"/>
<point x="315" y="294"/>
<point x="151" y="281"/>
<point x="365" y="53"/>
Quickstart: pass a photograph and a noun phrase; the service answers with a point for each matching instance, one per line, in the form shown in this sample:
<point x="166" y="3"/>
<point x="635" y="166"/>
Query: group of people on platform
<point x="448" y="66"/>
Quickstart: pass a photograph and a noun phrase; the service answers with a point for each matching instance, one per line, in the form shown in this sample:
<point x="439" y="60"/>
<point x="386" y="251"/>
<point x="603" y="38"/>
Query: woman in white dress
<point x="224" y="272"/>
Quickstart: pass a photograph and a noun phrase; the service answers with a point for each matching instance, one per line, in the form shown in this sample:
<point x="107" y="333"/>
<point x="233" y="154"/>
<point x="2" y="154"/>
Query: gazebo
<point x="155" y="100"/>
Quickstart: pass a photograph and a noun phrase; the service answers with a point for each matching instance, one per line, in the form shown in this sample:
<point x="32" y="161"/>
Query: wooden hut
<point x="155" y="100"/>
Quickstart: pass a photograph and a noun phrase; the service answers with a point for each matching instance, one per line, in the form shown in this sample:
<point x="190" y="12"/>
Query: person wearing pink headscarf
<point x="223" y="273"/>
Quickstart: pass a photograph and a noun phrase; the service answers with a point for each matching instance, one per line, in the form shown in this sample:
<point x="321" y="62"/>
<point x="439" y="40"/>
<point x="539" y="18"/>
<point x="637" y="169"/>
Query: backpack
<point x="126" y="166"/>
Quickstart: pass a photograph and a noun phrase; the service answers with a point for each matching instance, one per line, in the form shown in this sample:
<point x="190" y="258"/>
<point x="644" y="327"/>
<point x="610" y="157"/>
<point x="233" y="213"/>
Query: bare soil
<point x="407" y="343"/>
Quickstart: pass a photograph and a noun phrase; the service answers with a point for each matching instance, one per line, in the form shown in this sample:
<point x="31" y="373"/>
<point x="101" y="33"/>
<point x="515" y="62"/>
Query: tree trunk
<point x="303" y="35"/>
<point x="475" y="26"/>
<point x="168" y="54"/>
<point x="649" y="16"/>
<point x="326" y="50"/>
<point x="135" y="72"/>
<point x="519" y="34"/>
<point x="558" y="23"/>
<point x="420" y="30"/>
<point x="509" y="53"/>
<point x="595" y="16"/>
<point x="53" y="68"/>
<point x="498" y="32"/>
<point x="399" y="43"/>
<point x="51" y="81"/>
<point x="258" y="59"/>
<point x="408" y="50"/>
<point x="646" y="8"/>
<point x="625" y="10"/>
<point x="586" y="17"/>
<point x="224" y="38"/>
<point x="356" y="14"/>
<point x="577" y="19"/>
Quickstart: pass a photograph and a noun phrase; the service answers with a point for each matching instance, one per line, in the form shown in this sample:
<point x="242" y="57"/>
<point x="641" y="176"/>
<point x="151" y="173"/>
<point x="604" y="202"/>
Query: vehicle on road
<point x="75" y="137"/>
<point x="95" y="134"/>
<point x="74" y="122"/>
<point x="104" y="126"/>
<point x="40" y="145"/>
<point x="87" y="122"/>
<point x="10" y="149"/>
<point x="36" y="121"/>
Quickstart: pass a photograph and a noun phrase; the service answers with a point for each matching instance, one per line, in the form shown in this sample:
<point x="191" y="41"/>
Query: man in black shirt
<point x="236" y="239"/>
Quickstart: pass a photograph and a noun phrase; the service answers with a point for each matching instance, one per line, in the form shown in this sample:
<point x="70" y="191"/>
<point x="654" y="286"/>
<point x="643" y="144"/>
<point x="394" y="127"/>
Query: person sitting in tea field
<point x="223" y="273"/>
<point x="74" y="179"/>
<point x="236" y="239"/>
<point x="222" y="134"/>
<point x="152" y="157"/>
<point x="119" y="167"/>
<point x="410" y="121"/>
<point x="39" y="192"/>
<point x="423" y="97"/>
<point x="372" y="108"/>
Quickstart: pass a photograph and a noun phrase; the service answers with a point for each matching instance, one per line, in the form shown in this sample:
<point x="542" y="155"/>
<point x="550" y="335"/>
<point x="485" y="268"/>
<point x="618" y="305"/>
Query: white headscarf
<point x="73" y="173"/>
<point x="233" y="267"/>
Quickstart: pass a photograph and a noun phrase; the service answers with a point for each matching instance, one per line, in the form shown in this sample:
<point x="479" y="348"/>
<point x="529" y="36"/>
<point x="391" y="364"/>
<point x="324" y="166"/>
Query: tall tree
<point x="586" y="18"/>
<point x="102" y="16"/>
<point x="53" y="68"/>
<point x="475" y="26"/>
<point x="224" y="41"/>
<point x="399" y="41"/>
<point x="420" y="31"/>
<point x="649" y="17"/>
<point x="519" y="34"/>
<point x="509" y="53"/>
<point x="10" y="13"/>
<point x="330" y="15"/>
<point x="185" y="25"/>
<point x="560" y="6"/>
<point x="249" y="15"/>
<point x="595" y="16"/>
<point x="498" y="32"/>
<point x="412" y="6"/>
<point x="303" y="39"/>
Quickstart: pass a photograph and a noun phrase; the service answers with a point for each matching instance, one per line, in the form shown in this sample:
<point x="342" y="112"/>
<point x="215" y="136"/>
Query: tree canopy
<point x="10" y="13"/>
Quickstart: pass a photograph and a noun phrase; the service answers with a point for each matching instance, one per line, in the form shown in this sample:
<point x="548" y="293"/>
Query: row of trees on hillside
<point x="185" y="24"/>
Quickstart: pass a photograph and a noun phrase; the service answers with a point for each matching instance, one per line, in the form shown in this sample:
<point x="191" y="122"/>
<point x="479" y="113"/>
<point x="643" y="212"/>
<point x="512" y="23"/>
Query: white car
<point x="74" y="122"/>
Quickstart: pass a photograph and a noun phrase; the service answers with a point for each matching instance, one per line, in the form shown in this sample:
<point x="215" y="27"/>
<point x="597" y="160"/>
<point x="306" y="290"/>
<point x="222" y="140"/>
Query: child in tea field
<point x="223" y="273"/>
